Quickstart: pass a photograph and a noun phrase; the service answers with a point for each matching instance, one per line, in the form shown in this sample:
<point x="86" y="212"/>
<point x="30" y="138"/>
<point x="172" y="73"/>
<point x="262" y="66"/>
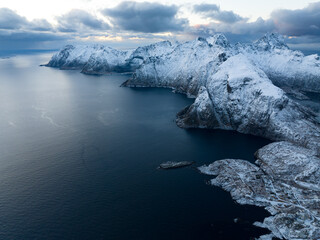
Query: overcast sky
<point x="41" y="24"/>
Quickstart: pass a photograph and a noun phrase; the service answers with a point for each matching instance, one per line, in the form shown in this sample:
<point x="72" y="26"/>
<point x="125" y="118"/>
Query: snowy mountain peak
<point x="271" y="41"/>
<point x="67" y="47"/>
<point x="218" y="39"/>
<point x="152" y="49"/>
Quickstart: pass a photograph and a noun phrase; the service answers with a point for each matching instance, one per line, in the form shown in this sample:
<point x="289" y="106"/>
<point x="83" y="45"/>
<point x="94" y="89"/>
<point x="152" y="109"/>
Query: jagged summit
<point x="154" y="49"/>
<point x="270" y="41"/>
<point x="218" y="39"/>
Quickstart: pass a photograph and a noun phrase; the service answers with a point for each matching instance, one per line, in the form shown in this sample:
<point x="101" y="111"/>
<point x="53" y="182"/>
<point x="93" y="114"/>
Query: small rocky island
<point x="241" y="87"/>
<point x="173" y="165"/>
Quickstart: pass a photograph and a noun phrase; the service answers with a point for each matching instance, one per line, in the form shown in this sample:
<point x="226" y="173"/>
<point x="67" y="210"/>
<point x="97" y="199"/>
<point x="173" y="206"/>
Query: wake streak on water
<point x="45" y="116"/>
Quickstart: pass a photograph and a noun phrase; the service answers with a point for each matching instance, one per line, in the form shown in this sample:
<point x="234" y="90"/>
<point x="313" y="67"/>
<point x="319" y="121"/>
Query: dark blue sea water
<point x="79" y="157"/>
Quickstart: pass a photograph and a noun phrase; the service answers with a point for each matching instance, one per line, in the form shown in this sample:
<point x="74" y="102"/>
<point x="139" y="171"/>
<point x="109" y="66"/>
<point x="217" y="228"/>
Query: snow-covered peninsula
<point x="241" y="87"/>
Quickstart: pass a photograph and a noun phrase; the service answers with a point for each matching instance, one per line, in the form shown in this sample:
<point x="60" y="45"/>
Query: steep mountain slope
<point x="239" y="96"/>
<point x="105" y="60"/>
<point x="185" y="69"/>
<point x="73" y="57"/>
<point x="285" y="67"/>
<point x="141" y="54"/>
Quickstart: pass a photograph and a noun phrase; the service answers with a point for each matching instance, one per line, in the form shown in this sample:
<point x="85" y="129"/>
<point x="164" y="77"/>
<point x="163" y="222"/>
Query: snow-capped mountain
<point x="72" y="57"/>
<point x="285" y="67"/>
<point x="139" y="55"/>
<point x="186" y="68"/>
<point x="104" y="60"/>
<point x="99" y="59"/>
<point x="239" y="96"/>
<point x="189" y="62"/>
<point x="91" y="59"/>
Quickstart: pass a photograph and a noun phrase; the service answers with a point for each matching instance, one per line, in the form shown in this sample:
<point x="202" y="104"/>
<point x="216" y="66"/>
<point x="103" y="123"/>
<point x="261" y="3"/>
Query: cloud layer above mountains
<point x="299" y="22"/>
<point x="80" y="21"/>
<point x="145" y="17"/>
<point x="146" y="21"/>
<point x="213" y="11"/>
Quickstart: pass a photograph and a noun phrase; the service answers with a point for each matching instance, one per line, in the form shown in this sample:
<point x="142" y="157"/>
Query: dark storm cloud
<point x="40" y="25"/>
<point x="19" y="39"/>
<point x="299" y="22"/>
<point x="145" y="17"/>
<point x="234" y="26"/>
<point x="242" y="31"/>
<point x="16" y="32"/>
<point x="11" y="20"/>
<point x="250" y="28"/>
<point x="29" y="36"/>
<point x="214" y="12"/>
<point x="80" y="20"/>
<point x="201" y="8"/>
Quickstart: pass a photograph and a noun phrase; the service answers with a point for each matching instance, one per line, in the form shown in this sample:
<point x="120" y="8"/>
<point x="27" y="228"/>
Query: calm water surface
<point x="79" y="157"/>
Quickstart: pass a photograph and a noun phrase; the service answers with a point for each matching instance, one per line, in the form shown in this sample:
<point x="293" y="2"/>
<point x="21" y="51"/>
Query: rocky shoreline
<point x="284" y="180"/>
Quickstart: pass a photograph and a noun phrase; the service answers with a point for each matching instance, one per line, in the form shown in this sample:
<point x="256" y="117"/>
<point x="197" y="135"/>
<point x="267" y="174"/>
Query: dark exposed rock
<point x="173" y="165"/>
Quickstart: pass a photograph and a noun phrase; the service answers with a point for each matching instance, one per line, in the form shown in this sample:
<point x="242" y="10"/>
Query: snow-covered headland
<point x="240" y="87"/>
